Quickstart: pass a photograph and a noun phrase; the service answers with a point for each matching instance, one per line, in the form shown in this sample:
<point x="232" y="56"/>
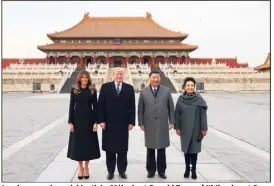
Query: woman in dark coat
<point x="190" y="124"/>
<point x="83" y="139"/>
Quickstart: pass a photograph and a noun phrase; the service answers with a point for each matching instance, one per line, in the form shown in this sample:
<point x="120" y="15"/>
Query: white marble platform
<point x="209" y="169"/>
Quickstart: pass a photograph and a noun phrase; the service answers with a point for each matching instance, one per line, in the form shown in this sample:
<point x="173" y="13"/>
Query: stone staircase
<point x="110" y="75"/>
<point x="71" y="81"/>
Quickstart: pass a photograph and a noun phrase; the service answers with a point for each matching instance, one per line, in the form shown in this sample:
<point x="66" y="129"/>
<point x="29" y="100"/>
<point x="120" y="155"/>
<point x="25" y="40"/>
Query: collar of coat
<point x="193" y="99"/>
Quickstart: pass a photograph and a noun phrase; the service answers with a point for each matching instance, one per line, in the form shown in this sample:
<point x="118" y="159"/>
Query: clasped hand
<point x="103" y="126"/>
<point x="94" y="128"/>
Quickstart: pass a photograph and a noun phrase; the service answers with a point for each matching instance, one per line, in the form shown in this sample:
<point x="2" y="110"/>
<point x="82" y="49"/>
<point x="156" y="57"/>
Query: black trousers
<point x="191" y="159"/>
<point x="121" y="162"/>
<point x="161" y="161"/>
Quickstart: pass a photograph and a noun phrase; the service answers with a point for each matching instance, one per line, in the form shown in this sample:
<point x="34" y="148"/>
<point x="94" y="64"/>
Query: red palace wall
<point x="7" y="61"/>
<point x="231" y="62"/>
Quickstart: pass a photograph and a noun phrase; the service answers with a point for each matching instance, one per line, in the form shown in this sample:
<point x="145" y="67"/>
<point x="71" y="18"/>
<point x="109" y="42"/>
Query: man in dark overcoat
<point x="116" y="115"/>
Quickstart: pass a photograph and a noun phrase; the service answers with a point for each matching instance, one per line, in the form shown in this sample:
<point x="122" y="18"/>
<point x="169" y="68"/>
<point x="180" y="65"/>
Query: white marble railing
<point x="62" y="82"/>
<point x="106" y="75"/>
<point x="252" y="75"/>
<point x="39" y="66"/>
<point x="129" y="75"/>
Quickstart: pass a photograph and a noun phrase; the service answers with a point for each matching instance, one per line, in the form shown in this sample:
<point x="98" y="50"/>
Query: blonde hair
<point x="118" y="69"/>
<point x="78" y="82"/>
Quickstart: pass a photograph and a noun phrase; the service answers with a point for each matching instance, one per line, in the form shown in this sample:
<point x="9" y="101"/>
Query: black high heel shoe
<point x="80" y="177"/>
<point x="87" y="177"/>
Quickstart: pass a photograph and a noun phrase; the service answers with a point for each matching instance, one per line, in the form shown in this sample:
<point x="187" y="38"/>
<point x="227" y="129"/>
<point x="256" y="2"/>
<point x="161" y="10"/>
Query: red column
<point x="187" y="59"/>
<point x="178" y="59"/>
<point x="94" y="59"/>
<point x="126" y="60"/>
<point x="68" y="58"/>
<point x="47" y="59"/>
<point x="56" y="59"/>
<point x="107" y="60"/>
<point x="140" y="59"/>
<point x="81" y="61"/>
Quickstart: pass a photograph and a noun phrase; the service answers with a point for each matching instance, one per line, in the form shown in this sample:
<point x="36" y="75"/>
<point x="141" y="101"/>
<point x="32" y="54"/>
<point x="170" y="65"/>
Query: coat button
<point x="156" y="118"/>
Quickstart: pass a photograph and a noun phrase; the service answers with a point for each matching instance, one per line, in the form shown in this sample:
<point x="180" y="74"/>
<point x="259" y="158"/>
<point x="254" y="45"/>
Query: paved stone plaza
<point x="236" y="149"/>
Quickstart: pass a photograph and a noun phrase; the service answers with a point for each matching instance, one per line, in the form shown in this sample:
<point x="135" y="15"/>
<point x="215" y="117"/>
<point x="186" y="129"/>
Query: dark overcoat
<point x="191" y="119"/>
<point x="83" y="142"/>
<point x="117" y="111"/>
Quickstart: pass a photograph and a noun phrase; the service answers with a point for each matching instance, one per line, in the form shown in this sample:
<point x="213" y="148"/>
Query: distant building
<point x="264" y="67"/>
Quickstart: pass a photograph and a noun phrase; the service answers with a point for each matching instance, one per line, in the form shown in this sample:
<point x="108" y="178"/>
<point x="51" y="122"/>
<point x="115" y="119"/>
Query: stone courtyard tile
<point x="218" y="173"/>
<point x="137" y="173"/>
<point x="58" y="172"/>
<point x="217" y="154"/>
<point x="25" y="115"/>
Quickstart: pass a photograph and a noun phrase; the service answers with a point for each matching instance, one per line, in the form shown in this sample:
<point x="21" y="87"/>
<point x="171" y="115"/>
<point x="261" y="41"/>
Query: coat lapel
<point x="159" y="94"/>
<point x="113" y="88"/>
<point x="122" y="88"/>
<point x="149" y="93"/>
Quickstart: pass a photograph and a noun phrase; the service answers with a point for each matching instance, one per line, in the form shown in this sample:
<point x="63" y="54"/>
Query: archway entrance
<point x="88" y="60"/>
<point x="146" y="60"/>
<point x="117" y="63"/>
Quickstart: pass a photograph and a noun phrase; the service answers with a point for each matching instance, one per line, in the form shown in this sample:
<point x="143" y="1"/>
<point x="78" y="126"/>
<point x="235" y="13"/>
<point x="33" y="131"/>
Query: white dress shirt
<point x="120" y="87"/>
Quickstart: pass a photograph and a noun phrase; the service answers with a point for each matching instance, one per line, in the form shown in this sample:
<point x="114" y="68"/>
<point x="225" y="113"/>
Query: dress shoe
<point x="193" y="174"/>
<point x="80" y="177"/>
<point x="187" y="171"/>
<point x="87" y="176"/>
<point x="110" y="176"/>
<point x="150" y="175"/>
<point x="124" y="176"/>
<point x="162" y="175"/>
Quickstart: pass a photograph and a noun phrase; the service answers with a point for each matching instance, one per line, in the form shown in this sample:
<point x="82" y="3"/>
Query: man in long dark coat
<point x="116" y="115"/>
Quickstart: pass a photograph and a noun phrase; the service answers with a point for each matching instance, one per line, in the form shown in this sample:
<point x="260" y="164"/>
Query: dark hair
<point x="78" y="82"/>
<point x="154" y="72"/>
<point x="187" y="79"/>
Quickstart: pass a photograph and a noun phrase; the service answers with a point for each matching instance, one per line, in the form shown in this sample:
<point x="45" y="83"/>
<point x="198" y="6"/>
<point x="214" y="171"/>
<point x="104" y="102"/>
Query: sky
<point x="220" y="29"/>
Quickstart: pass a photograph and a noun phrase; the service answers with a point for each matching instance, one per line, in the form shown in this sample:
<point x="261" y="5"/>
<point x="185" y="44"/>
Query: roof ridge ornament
<point x="86" y="15"/>
<point x="148" y="15"/>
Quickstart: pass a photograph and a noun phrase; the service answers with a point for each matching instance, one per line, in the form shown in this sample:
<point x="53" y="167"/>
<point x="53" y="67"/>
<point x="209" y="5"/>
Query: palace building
<point x="265" y="67"/>
<point x="137" y="44"/>
<point x="117" y="41"/>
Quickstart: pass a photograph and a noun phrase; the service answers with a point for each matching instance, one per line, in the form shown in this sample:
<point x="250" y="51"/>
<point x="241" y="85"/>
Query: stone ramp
<point x="209" y="169"/>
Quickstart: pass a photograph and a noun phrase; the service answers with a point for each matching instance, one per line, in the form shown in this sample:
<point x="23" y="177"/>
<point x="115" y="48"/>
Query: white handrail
<point x="61" y="84"/>
<point x="129" y="75"/>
